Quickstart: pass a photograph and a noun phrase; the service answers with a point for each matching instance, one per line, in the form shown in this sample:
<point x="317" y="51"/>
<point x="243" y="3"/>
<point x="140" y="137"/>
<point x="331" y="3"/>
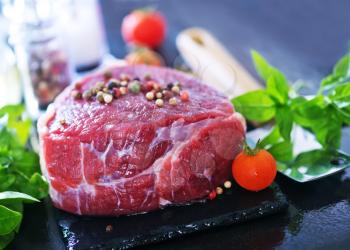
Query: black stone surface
<point x="302" y="37"/>
<point x="234" y="206"/>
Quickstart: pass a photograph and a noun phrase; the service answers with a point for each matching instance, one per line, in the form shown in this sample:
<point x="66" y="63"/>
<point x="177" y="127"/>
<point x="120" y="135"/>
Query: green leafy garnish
<point x="20" y="178"/>
<point x="323" y="115"/>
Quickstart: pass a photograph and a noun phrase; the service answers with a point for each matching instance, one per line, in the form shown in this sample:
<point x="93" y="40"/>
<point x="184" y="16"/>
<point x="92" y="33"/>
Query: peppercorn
<point x="148" y="86"/>
<point x="124" y="77"/>
<point x="227" y="184"/>
<point x="219" y="190"/>
<point x="113" y="83"/>
<point x="177" y="83"/>
<point x="109" y="228"/>
<point x="175" y="89"/>
<point x="76" y="94"/>
<point x="147" y="77"/>
<point x="108" y="98"/>
<point x="123" y="90"/>
<point x="78" y="85"/>
<point x="94" y="91"/>
<point x="172" y="101"/>
<point x="159" y="95"/>
<point x="150" y="96"/>
<point x="169" y="86"/>
<point x="156" y="86"/>
<point x="116" y="93"/>
<point x="167" y="94"/>
<point x="107" y="75"/>
<point x="134" y="86"/>
<point x="159" y="102"/>
<point x="212" y="195"/>
<point x="184" y="96"/>
<point x="99" y="97"/>
<point x="99" y="85"/>
<point x="87" y="94"/>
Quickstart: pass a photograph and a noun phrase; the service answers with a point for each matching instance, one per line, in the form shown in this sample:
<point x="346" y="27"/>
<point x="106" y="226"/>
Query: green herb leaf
<point x="308" y="113"/>
<point x="277" y="86"/>
<point x="340" y="73"/>
<point x="16" y="196"/>
<point x="282" y="151"/>
<point x="341" y="95"/>
<point x="328" y="129"/>
<point x="15" y="121"/>
<point x="284" y="121"/>
<point x="261" y="65"/>
<point x="9" y="220"/>
<point x="6" y="239"/>
<point x="273" y="137"/>
<point x="255" y="106"/>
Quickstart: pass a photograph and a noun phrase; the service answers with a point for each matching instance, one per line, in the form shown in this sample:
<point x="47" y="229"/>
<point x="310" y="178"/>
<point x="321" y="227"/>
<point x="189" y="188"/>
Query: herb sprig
<point x="20" y="178"/>
<point x="323" y="114"/>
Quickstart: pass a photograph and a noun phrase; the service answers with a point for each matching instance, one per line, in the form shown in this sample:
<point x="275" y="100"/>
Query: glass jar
<point x="42" y="59"/>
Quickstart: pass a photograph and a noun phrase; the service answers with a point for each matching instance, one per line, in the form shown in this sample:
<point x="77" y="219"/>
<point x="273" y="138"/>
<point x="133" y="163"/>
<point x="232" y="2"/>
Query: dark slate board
<point x="234" y="206"/>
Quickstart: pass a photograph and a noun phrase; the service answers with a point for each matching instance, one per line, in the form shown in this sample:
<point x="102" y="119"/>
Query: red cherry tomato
<point x="254" y="171"/>
<point x="144" y="27"/>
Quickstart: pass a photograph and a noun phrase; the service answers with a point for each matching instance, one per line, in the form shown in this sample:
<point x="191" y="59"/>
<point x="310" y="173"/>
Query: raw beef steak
<point x="130" y="155"/>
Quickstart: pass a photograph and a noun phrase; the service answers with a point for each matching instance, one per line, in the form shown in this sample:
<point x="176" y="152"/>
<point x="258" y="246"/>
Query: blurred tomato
<point x="144" y="56"/>
<point x="144" y="27"/>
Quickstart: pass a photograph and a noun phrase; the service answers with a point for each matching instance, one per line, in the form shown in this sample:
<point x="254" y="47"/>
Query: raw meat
<point x="131" y="156"/>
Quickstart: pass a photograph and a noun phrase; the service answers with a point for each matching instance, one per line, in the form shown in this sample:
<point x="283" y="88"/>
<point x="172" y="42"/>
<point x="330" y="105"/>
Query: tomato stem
<point x="251" y="151"/>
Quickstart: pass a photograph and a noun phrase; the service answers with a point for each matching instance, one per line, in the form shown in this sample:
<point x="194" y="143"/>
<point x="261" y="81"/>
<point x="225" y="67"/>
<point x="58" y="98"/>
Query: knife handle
<point x="212" y="63"/>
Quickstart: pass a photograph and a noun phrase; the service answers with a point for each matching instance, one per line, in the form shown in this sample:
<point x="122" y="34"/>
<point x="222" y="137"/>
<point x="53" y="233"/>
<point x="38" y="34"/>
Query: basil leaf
<point x="6" y="239"/>
<point x="339" y="74"/>
<point x="284" y="121"/>
<point x="328" y="130"/>
<point x="277" y="86"/>
<point x="261" y="65"/>
<point x="26" y="162"/>
<point x="341" y="95"/>
<point x="273" y="137"/>
<point x="15" y="121"/>
<point x="6" y="180"/>
<point x="9" y="220"/>
<point x="282" y="151"/>
<point x="16" y="196"/>
<point x="307" y="113"/>
<point x="255" y="106"/>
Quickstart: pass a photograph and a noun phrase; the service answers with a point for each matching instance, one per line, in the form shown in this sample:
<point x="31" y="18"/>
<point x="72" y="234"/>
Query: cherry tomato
<point x="254" y="170"/>
<point x="144" y="56"/>
<point x="144" y="27"/>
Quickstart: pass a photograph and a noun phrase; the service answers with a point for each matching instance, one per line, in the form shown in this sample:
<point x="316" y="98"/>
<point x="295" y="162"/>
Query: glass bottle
<point x="42" y="59"/>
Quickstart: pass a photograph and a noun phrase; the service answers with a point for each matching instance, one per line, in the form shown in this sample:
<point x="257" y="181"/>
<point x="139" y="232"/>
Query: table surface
<point x="303" y="38"/>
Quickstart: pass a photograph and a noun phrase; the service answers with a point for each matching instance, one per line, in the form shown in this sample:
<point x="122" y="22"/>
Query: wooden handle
<point x="211" y="62"/>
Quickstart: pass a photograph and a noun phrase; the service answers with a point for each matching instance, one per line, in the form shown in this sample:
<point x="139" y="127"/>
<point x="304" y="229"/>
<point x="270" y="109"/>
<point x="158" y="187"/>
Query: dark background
<point x="303" y="38"/>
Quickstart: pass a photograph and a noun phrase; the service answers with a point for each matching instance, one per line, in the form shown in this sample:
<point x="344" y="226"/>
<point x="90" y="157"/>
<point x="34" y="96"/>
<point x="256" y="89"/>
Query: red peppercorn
<point x="212" y="195"/>
<point x="78" y="85"/>
<point x="149" y="85"/>
<point x="184" y="96"/>
<point x="167" y="94"/>
<point x="116" y="92"/>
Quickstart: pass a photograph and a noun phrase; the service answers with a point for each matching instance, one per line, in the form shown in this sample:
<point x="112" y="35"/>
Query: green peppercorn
<point x="99" y="85"/>
<point x="134" y="87"/>
<point x="87" y="94"/>
<point x="99" y="97"/>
